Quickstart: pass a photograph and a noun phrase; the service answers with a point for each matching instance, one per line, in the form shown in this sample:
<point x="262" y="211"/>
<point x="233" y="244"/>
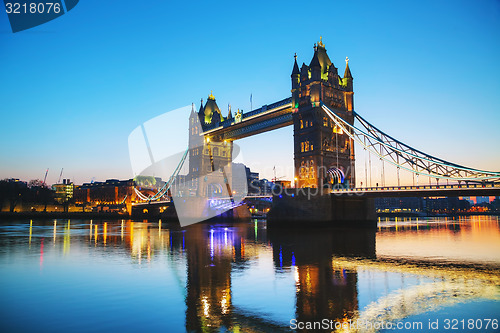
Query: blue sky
<point x="73" y="89"/>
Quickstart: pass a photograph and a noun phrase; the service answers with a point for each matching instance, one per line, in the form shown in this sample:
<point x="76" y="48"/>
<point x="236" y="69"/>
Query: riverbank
<point x="63" y="215"/>
<point x="124" y="216"/>
<point x="400" y="214"/>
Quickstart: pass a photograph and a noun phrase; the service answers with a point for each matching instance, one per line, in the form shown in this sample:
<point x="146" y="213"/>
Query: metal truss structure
<point x="405" y="157"/>
<point x="164" y="189"/>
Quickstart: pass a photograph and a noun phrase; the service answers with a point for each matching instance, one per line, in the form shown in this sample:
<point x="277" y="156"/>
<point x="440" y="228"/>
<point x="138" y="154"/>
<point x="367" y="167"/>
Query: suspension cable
<point x="416" y="161"/>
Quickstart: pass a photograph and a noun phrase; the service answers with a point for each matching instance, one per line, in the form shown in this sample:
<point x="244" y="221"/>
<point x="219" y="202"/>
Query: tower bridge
<point x="326" y="128"/>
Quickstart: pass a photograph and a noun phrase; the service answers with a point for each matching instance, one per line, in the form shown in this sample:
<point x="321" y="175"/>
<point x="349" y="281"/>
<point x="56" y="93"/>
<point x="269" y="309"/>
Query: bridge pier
<point x="312" y="207"/>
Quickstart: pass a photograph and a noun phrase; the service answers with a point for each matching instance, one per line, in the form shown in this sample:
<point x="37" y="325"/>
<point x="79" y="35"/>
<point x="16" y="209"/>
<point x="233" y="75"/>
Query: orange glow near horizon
<point x="466" y="241"/>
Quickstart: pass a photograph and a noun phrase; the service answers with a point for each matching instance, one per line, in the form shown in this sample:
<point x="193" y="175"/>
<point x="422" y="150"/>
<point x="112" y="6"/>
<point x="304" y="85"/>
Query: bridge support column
<point x="309" y="207"/>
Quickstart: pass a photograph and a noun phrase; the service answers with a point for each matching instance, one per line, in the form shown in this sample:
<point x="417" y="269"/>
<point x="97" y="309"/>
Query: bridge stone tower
<point x="207" y="154"/>
<point x="319" y="145"/>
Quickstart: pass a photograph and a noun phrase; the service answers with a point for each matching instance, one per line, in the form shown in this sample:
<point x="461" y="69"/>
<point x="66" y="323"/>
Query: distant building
<point x="441" y="204"/>
<point x="283" y="183"/>
<point x="253" y="182"/>
<point x="15" y="181"/>
<point x="398" y="204"/>
<point x="480" y="200"/>
<point x="495" y="204"/>
<point x="446" y="204"/>
<point x="112" y="191"/>
<point x="63" y="192"/>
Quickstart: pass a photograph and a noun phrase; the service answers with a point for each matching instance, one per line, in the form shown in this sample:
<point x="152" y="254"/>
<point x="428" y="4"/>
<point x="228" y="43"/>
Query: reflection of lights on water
<point x="206" y="306"/>
<point x="242" y="248"/>
<point x="281" y="258"/>
<point x="296" y="276"/>
<point x="131" y="233"/>
<point x="212" y="243"/>
<point x="55" y="230"/>
<point x="67" y="238"/>
<point x="167" y="237"/>
<point x="121" y="230"/>
<point x="308" y="280"/>
<point x="41" y="254"/>
<point x="95" y="234"/>
<point x="31" y="226"/>
<point x="221" y="241"/>
<point x="255" y="228"/>
<point x="149" y="252"/>
<point x="90" y="230"/>
<point x="105" y="232"/>
<point x="224" y="302"/>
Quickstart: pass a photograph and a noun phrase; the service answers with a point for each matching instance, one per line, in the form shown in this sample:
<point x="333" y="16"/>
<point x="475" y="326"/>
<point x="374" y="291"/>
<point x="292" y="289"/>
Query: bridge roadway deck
<point x="392" y="192"/>
<point x="266" y="118"/>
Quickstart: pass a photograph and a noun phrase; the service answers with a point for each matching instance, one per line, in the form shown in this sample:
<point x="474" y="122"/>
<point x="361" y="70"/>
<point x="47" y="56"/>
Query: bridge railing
<point x="417" y="187"/>
<point x="267" y="107"/>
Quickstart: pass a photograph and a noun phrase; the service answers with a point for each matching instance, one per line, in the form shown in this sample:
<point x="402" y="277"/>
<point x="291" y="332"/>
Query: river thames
<point x="425" y="275"/>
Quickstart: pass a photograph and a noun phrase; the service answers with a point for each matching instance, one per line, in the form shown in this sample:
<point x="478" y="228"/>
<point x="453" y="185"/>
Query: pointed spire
<point x="332" y="68"/>
<point x="229" y="114"/>
<point x="211" y="96"/>
<point x="315" y="61"/>
<point x="347" y="73"/>
<point x="320" y="43"/>
<point x="295" y="66"/>
<point x="303" y="70"/>
<point x="201" y="110"/>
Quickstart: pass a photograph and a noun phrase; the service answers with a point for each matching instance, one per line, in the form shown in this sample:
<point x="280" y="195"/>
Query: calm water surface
<point x="131" y="276"/>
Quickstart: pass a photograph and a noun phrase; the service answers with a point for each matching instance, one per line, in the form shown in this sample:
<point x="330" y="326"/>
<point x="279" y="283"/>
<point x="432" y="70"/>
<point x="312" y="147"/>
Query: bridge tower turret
<point x="196" y="143"/>
<point x="207" y="153"/>
<point x="319" y="145"/>
<point x="295" y="84"/>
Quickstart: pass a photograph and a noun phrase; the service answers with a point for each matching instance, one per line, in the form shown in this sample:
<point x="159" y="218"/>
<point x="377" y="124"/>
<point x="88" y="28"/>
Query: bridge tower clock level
<point x="323" y="153"/>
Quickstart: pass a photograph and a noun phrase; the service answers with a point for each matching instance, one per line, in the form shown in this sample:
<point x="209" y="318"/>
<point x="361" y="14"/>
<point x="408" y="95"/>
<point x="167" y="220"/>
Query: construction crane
<point x="45" y="178"/>
<point x="60" y="176"/>
<point x="276" y="178"/>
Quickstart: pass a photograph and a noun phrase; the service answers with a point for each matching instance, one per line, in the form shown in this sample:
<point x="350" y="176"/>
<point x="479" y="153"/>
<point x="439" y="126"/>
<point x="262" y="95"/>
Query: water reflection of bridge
<point x="326" y="275"/>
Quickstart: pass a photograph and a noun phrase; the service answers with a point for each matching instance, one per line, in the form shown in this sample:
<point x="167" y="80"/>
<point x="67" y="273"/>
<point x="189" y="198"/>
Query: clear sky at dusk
<point x="72" y="90"/>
